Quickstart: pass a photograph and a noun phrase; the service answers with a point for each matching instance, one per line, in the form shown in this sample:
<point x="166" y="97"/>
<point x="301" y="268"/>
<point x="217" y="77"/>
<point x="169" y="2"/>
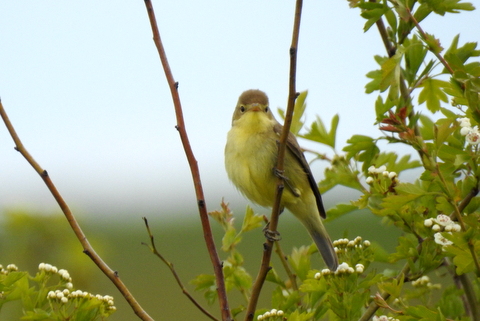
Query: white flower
<point x="464" y="131"/>
<point x="464" y="122"/>
<point x="64" y="300"/>
<point x="440" y="239"/>
<point x="428" y="222"/>
<point x="359" y="268"/>
<point x="392" y="175"/>
<point x="443" y="220"/>
<point x="366" y="243"/>
<point x="372" y="170"/>
<point x="12" y="267"/>
<point x="473" y="136"/>
<point x="369" y="180"/>
<point x="381" y="169"/>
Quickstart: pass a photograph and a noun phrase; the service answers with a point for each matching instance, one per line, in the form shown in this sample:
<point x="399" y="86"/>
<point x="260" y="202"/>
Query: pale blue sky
<point x="83" y="86"/>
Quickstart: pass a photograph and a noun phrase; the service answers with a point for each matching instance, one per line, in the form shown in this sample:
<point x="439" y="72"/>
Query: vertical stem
<point x="292" y="95"/>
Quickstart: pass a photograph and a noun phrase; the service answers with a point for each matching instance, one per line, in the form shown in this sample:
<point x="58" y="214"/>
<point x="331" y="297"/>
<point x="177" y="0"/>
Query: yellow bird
<point x="251" y="156"/>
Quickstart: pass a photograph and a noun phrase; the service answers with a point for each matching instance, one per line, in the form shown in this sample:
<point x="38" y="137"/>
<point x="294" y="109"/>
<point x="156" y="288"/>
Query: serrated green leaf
<point x="251" y="220"/>
<point x="299" y="110"/>
<point x="432" y="93"/>
<point x="318" y="132"/>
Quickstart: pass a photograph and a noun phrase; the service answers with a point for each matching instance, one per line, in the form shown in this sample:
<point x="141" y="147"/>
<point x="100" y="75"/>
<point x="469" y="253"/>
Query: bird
<point x="251" y="155"/>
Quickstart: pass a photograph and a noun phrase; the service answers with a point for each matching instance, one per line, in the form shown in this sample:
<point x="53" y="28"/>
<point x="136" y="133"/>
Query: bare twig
<point x="87" y="248"/>
<point x="207" y="232"/>
<point x="283" y="259"/>
<point x="292" y="95"/>
<point x="154" y="250"/>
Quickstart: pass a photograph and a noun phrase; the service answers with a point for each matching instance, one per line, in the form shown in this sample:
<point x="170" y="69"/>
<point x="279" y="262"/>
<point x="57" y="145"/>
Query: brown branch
<point x="207" y="232"/>
<point x="292" y="95"/>
<point x="87" y="248"/>
<point x="424" y="37"/>
<point x="154" y="250"/>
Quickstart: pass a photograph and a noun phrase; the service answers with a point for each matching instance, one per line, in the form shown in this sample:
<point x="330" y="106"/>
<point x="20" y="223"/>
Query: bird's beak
<point x="255" y="107"/>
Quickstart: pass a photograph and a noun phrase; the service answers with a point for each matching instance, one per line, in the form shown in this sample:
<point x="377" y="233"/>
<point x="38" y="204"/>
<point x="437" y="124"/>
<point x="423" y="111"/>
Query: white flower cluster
<point x="342" y="245"/>
<point x="442" y="223"/>
<point x="472" y="135"/>
<point x="382" y="170"/>
<point x="8" y="269"/>
<point x="65" y="295"/>
<point x="424" y="281"/>
<point x="343" y="268"/>
<point x="64" y="275"/>
<point x="270" y="314"/>
<point x="383" y="318"/>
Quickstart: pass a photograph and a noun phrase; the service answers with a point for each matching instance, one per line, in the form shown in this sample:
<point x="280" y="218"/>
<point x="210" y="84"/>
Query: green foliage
<point x="428" y="103"/>
<point x="49" y="295"/>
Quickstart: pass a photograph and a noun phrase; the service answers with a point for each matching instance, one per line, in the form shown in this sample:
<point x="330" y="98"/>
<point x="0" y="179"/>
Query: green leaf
<point x="373" y="11"/>
<point x="451" y="6"/>
<point x="300" y="261"/>
<point x="229" y="239"/>
<point x="432" y="93"/>
<point x="362" y="148"/>
<point x="339" y="210"/>
<point x="318" y="132"/>
<point x="299" y="110"/>
<point x="414" y="57"/>
<point x="251" y="220"/>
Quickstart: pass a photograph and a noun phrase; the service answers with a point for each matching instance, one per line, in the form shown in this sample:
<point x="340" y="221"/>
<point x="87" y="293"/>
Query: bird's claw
<point x="272" y="236"/>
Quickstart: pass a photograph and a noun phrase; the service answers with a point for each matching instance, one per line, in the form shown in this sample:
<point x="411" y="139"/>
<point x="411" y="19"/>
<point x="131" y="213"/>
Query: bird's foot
<point x="280" y="174"/>
<point x="272" y="236"/>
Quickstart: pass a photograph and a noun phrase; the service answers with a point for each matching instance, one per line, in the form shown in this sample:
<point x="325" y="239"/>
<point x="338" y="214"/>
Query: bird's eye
<point x="242" y="109"/>
<point x="266" y="109"/>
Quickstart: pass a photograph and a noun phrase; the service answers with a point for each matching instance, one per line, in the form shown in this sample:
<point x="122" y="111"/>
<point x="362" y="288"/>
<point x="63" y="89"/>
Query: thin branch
<point x="87" y="248"/>
<point x="207" y="232"/>
<point x="424" y="37"/>
<point x="283" y="259"/>
<point x="154" y="250"/>
<point x="292" y="95"/>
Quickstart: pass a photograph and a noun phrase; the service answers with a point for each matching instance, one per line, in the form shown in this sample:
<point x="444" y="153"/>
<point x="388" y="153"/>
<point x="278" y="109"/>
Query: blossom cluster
<point x="9" y="268"/>
<point x="424" y="281"/>
<point x="65" y="295"/>
<point x="442" y="223"/>
<point x="342" y="245"/>
<point x="382" y="170"/>
<point x="383" y="318"/>
<point x="472" y="135"/>
<point x="343" y="268"/>
<point x="270" y="314"/>
<point x="52" y="269"/>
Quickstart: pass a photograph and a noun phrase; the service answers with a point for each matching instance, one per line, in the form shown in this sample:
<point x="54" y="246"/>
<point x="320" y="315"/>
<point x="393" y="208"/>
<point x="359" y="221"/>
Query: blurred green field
<point x="27" y="239"/>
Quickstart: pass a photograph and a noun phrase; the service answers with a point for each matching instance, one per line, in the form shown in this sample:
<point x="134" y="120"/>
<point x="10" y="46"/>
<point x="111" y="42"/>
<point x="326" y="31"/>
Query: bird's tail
<point x="324" y="244"/>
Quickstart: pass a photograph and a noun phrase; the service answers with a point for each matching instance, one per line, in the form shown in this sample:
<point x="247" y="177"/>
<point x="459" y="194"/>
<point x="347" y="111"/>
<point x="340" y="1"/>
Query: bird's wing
<point x="296" y="151"/>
